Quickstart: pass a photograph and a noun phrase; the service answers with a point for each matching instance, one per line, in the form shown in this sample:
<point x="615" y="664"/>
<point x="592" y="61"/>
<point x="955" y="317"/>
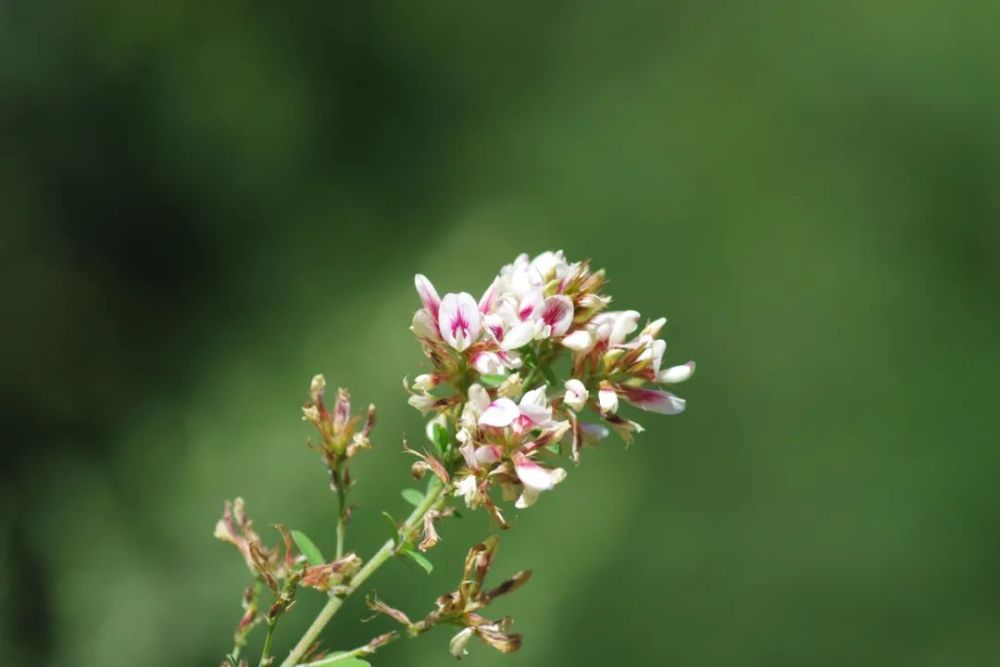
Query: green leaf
<point x="418" y="558"/>
<point x="412" y="496"/>
<point x="492" y="380"/>
<point x="308" y="548"/>
<point x="441" y="438"/>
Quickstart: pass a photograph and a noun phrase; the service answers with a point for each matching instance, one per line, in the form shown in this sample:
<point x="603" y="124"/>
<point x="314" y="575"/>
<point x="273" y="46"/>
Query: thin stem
<point x="268" y="639"/>
<point x="434" y="489"/>
<point x="341" y="513"/>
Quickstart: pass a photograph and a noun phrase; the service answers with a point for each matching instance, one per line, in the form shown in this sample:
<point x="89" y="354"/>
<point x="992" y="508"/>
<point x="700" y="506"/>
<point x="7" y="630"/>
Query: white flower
<point x="500" y="413"/>
<point x="424" y="325"/>
<point x="535" y="408"/>
<point x="614" y="327"/>
<point x="576" y="394"/>
<point x="422" y="402"/>
<point x="459" y="320"/>
<point x="676" y="374"/>
<point x="489" y="363"/>
<point x="607" y="400"/>
<point x="424" y="382"/>
<point x="468" y="488"/>
<point x="555" y="317"/>
<point x="550" y="265"/>
<point x="535" y="478"/>
<point x="579" y="341"/>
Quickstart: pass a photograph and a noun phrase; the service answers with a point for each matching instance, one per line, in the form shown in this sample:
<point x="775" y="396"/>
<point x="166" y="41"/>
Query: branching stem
<point x="433" y="494"/>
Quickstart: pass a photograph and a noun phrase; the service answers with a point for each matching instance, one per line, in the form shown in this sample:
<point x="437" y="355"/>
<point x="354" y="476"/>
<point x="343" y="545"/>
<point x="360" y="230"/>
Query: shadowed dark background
<point x="205" y="204"/>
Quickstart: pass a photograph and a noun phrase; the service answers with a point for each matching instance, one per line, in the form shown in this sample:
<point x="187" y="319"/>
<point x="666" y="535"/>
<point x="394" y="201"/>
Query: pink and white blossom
<point x="535" y="479"/>
<point x="459" y="320"/>
<point x="500" y="413"/>
<point x="555" y="317"/>
<point x="654" y="400"/>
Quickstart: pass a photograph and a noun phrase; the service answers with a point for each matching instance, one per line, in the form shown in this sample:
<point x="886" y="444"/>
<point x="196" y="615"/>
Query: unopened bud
<point x="317" y="388"/>
<point x="419" y="469"/>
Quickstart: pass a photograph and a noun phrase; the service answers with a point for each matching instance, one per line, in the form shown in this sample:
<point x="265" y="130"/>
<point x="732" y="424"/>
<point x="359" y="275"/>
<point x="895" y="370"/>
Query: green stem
<point x="341" y="514"/>
<point x="434" y="489"/>
<point x="346" y="655"/>
<point x="267" y="644"/>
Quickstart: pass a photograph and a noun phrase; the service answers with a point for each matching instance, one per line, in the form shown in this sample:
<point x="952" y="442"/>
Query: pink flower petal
<point x="428" y="295"/>
<point x="557" y="312"/>
<point x="459" y="320"/>
<point x="654" y="400"/>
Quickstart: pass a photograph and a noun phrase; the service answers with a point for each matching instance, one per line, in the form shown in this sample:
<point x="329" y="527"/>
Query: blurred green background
<point x="206" y="203"/>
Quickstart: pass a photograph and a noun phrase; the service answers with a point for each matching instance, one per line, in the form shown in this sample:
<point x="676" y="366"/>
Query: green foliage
<point x="412" y="496"/>
<point x="410" y="552"/>
<point x="308" y="548"/>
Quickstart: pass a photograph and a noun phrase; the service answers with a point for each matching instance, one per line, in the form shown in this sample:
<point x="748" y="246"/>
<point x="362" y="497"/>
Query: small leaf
<point x="418" y="558"/>
<point x="308" y="548"/>
<point x="492" y="380"/>
<point x="441" y="438"/>
<point x="412" y="496"/>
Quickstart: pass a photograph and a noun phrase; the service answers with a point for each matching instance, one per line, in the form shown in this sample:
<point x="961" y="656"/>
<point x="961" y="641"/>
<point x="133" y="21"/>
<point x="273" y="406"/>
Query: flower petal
<point x="607" y="399"/>
<point x="489" y="297"/>
<point x="500" y="413"/>
<point x="557" y="313"/>
<point x="676" y="374"/>
<point x="624" y="324"/>
<point x="428" y="295"/>
<point x="579" y="341"/>
<point x="518" y="335"/>
<point x="654" y="400"/>
<point x="576" y="394"/>
<point x="424" y="325"/>
<point x="535" y="406"/>
<point x="459" y="320"/>
<point x="534" y="476"/>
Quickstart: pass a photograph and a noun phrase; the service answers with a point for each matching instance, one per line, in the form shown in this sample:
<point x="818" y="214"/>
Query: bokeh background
<point x="203" y="204"/>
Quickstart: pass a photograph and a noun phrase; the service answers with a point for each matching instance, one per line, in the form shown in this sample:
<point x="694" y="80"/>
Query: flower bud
<point x="317" y="387"/>
<point x="425" y="382"/>
<point x="419" y="469"/>
<point x="576" y="394"/>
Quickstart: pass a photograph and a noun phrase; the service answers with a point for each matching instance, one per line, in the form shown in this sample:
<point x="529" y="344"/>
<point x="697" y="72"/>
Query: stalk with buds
<point x="499" y="420"/>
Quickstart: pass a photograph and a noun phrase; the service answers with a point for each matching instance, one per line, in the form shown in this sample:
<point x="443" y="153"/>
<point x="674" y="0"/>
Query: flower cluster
<point x="493" y="383"/>
<point x="531" y="371"/>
